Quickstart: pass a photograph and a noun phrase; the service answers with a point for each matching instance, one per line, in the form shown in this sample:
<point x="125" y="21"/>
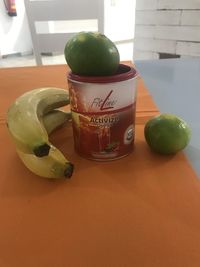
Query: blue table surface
<point x="175" y="87"/>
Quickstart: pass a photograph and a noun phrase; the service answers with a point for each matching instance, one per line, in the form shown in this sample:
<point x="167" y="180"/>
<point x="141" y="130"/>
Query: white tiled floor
<point x="125" y="50"/>
<point x="29" y="60"/>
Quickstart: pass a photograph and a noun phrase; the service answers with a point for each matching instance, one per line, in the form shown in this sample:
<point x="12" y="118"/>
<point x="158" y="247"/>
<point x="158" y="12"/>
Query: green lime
<point x="91" y="54"/>
<point x="167" y="133"/>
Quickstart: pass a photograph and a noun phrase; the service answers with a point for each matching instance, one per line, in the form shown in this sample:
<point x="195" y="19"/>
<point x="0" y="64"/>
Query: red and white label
<point x="103" y="118"/>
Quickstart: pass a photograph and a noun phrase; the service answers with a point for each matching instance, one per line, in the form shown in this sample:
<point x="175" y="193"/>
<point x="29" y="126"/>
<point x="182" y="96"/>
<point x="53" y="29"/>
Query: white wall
<point x="167" y="26"/>
<point x="120" y="25"/>
<point x="119" y="19"/>
<point x="14" y="31"/>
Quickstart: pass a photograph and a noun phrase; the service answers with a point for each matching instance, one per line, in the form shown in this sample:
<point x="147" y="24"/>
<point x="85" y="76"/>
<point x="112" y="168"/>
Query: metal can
<point x="103" y="113"/>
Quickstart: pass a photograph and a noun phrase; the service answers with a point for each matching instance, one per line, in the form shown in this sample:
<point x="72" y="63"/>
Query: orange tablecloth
<point x="142" y="210"/>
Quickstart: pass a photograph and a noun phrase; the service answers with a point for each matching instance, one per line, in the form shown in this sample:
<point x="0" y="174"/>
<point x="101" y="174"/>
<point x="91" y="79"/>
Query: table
<point x="142" y="210"/>
<point x="174" y="85"/>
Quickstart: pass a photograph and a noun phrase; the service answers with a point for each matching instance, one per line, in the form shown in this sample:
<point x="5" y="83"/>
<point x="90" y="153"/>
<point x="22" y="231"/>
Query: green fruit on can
<point x="167" y="133"/>
<point x="91" y="54"/>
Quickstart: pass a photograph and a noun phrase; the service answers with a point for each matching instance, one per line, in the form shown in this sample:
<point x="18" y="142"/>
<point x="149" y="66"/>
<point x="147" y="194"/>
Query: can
<point x="103" y="113"/>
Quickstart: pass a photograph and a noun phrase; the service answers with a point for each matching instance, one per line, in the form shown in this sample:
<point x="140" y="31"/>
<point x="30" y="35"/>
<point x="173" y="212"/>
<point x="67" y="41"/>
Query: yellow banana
<point x="54" y="119"/>
<point x="24" y="118"/>
<point x="54" y="165"/>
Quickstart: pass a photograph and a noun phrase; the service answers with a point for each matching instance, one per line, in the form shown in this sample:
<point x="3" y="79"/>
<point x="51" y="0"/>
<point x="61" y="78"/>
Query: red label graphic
<point x="104" y="104"/>
<point x="103" y="121"/>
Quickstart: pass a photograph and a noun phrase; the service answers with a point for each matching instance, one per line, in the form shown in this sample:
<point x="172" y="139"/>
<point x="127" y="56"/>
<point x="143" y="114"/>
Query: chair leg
<point x="38" y="59"/>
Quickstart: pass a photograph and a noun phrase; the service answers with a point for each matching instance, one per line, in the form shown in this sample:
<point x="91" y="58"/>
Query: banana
<point x="54" y="119"/>
<point x="24" y="118"/>
<point x="55" y="165"/>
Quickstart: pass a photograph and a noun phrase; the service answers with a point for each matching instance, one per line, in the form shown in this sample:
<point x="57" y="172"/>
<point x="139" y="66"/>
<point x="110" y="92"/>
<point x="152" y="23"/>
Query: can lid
<point x="123" y="73"/>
